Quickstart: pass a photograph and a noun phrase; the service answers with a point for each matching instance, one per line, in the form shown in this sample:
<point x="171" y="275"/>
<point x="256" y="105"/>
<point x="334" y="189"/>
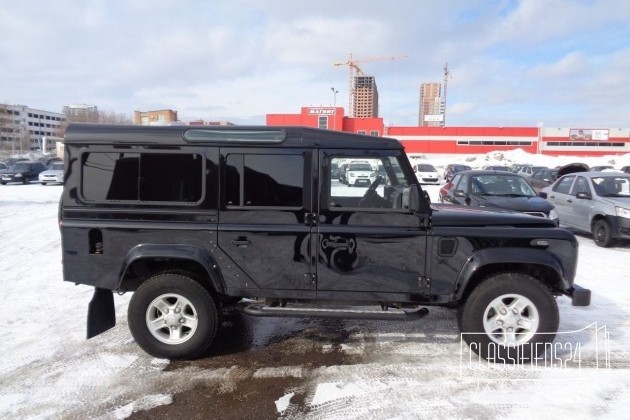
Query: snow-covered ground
<point x="416" y="370"/>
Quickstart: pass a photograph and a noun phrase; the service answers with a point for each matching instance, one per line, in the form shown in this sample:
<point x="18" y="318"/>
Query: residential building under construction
<point x="365" y="104"/>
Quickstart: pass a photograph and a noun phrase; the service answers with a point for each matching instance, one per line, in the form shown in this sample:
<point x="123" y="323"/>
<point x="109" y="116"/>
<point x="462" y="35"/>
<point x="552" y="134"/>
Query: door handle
<point x="241" y="243"/>
<point x="569" y="201"/>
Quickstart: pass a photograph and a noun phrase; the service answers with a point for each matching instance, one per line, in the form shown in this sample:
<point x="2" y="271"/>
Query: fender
<point x="508" y="256"/>
<point x="193" y="253"/>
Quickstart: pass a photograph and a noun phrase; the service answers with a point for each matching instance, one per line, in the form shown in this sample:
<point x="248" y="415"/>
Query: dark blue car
<point x="496" y="190"/>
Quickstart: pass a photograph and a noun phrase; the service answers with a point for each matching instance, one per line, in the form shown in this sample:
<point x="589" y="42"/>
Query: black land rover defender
<point x="194" y="219"/>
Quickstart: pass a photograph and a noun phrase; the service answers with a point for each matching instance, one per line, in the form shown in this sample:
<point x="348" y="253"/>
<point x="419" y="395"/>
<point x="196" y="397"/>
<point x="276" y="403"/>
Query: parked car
<point x="22" y="171"/>
<point x="452" y="169"/>
<point x="52" y="175"/>
<point x="602" y="168"/>
<point x="273" y="230"/>
<point x="496" y="190"/>
<point x="595" y="202"/>
<point x="12" y="161"/>
<point x="360" y="174"/>
<point x="543" y="178"/>
<point x="496" y="168"/>
<point x="426" y="173"/>
<point x="527" y="171"/>
<point x="515" y="167"/>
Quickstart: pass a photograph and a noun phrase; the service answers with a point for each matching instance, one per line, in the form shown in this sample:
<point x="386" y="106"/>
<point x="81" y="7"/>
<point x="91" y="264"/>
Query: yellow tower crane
<point x="354" y="70"/>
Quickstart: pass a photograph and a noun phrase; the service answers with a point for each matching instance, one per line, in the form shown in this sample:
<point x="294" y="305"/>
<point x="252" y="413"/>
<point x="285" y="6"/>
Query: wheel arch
<point x="146" y="260"/>
<point x="536" y="263"/>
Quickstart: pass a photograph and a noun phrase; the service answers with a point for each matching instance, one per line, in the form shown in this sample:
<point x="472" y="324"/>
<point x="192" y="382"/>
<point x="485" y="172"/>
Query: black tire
<point x="528" y="339"/>
<point x="602" y="233"/>
<point x="172" y="292"/>
<point x="43" y="184"/>
<point x="26" y="181"/>
<point x="3" y="183"/>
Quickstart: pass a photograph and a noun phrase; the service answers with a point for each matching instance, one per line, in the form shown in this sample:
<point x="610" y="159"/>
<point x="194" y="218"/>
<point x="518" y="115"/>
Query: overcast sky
<point x="563" y="63"/>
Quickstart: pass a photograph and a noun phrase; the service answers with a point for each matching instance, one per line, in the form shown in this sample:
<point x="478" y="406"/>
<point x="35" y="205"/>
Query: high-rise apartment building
<point x="365" y="101"/>
<point x="431" y="112"/>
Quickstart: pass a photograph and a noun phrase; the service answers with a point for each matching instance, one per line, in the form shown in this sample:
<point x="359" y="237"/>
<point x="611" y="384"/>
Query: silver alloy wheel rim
<point x="511" y="320"/>
<point x="172" y="319"/>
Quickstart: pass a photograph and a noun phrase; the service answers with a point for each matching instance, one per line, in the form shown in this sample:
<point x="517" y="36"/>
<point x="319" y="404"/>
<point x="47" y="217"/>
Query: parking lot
<point x="284" y="367"/>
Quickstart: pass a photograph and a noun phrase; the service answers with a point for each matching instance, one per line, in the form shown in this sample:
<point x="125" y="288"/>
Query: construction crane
<point x="354" y="70"/>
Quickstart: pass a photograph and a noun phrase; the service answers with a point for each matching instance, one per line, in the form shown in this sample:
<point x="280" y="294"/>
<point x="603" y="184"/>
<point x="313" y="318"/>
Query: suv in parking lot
<point x="253" y="212"/>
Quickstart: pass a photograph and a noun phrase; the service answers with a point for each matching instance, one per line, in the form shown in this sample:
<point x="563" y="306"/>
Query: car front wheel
<point x="172" y="316"/>
<point x="509" y="318"/>
<point x="602" y="234"/>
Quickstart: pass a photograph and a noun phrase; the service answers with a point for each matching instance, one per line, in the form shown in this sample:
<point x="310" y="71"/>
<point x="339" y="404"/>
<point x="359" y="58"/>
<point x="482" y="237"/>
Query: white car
<point x="360" y="174"/>
<point x="52" y="175"/>
<point x="426" y="173"/>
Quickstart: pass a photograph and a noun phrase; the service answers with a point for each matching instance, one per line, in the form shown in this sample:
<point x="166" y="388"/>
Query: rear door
<point x="265" y="222"/>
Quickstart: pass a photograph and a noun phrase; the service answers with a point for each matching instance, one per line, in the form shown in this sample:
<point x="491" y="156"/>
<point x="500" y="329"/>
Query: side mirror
<point x="459" y="193"/>
<point x="542" y="194"/>
<point x="419" y="201"/>
<point x="584" y="196"/>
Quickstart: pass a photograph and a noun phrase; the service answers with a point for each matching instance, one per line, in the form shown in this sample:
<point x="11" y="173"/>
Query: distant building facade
<point x="431" y="112"/>
<point x="365" y="101"/>
<point x="553" y="141"/>
<point x="159" y="117"/>
<point x="23" y="129"/>
<point x="81" y="112"/>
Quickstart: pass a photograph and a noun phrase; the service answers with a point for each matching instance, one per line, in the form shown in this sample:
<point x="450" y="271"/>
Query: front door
<point x="369" y="245"/>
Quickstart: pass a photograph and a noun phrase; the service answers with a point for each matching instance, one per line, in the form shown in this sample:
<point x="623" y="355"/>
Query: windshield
<point x="20" y="167"/>
<point x="360" y="167"/>
<point x="502" y="185"/>
<point x="56" y="167"/>
<point x="612" y="186"/>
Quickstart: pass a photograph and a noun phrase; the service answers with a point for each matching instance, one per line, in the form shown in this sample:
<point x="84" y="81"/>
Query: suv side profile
<point x="254" y="212"/>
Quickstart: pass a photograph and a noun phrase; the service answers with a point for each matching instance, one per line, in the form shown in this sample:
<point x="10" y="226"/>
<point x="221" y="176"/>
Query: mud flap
<point x="101" y="312"/>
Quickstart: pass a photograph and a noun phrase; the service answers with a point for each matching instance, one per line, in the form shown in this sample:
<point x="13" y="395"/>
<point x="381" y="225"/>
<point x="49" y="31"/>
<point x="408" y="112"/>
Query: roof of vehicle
<point x="572" y="168"/>
<point x="269" y="136"/>
<point x="600" y="174"/>
<point x="490" y="172"/>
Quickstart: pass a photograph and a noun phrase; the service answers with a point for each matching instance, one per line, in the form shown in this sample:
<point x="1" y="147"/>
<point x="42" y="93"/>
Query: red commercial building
<point x="576" y="141"/>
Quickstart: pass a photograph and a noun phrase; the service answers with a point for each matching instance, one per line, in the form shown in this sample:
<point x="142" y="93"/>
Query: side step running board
<point x="391" y="314"/>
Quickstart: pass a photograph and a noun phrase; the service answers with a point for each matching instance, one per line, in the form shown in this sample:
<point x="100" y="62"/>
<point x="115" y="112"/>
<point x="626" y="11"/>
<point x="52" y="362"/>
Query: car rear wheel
<point x="172" y="316"/>
<point x="602" y="233"/>
<point x="509" y="318"/>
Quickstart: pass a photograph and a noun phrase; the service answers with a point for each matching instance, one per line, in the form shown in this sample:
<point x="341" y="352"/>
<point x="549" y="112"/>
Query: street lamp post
<point x="335" y="92"/>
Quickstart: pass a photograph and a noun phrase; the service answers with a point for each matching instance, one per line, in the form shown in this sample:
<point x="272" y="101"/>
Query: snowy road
<point x="287" y="368"/>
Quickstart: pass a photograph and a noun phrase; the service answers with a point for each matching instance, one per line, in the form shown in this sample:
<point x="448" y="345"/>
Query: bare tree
<point x="105" y="117"/>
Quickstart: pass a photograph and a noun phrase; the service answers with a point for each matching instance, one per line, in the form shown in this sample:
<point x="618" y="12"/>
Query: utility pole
<point x="447" y="75"/>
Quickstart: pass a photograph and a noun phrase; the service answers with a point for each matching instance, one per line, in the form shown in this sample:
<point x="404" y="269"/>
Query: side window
<point x="463" y="184"/>
<point x="581" y="185"/>
<point x="564" y="186"/>
<point x="264" y="180"/>
<point x="150" y="177"/>
<point x="370" y="183"/>
<point x="456" y="179"/>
